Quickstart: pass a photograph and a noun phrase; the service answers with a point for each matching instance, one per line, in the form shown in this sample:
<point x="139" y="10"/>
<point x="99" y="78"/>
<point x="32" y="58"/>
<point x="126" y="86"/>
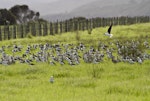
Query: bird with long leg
<point x="108" y="33"/>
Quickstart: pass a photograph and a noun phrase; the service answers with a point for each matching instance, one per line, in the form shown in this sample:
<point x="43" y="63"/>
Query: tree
<point x="6" y="17"/>
<point x="23" y="14"/>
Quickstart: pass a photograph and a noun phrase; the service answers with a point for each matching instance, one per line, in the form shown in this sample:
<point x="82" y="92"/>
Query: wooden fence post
<point x="66" y="26"/>
<point x="0" y="34"/>
<point x="21" y="31"/>
<point x="8" y="32"/>
<point x="45" y="29"/>
<point x="61" y="27"/>
<point x="56" y="27"/>
<point x="51" y="29"/>
<point x="40" y="28"/>
<point x="33" y="29"/>
<point x="5" y="33"/>
<point x="76" y="25"/>
<point x="83" y="25"/>
<point x="27" y="29"/>
<point x="14" y="32"/>
<point x="87" y="24"/>
<point x="91" y="24"/>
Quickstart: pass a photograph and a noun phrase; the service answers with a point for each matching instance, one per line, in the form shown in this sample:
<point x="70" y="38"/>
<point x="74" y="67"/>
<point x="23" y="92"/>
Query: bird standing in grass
<point x="139" y="60"/>
<point x="51" y="79"/>
<point x="108" y="33"/>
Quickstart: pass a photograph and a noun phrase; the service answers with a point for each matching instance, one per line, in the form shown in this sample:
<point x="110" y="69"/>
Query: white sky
<point x="33" y="4"/>
<point x="10" y="3"/>
<point x="44" y="7"/>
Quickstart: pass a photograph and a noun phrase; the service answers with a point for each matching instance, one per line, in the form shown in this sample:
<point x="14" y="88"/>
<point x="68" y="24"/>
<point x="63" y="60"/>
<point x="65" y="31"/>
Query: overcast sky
<point x="10" y="3"/>
<point x="33" y="4"/>
<point x="46" y="6"/>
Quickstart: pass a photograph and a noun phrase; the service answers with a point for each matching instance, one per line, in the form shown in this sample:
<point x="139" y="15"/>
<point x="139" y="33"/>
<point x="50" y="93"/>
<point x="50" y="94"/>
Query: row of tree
<point x="17" y="14"/>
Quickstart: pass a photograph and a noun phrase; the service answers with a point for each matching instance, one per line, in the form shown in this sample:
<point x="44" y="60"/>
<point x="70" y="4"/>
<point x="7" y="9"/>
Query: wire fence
<point x="8" y="32"/>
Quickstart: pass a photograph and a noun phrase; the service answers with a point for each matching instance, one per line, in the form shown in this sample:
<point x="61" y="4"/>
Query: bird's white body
<point x="51" y="79"/>
<point x="139" y="60"/>
<point x="110" y="35"/>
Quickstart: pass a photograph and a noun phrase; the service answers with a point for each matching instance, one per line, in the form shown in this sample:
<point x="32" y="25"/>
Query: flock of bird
<point x="53" y="54"/>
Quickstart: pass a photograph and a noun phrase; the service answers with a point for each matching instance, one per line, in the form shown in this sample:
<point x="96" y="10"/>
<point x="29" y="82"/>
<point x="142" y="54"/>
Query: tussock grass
<point x="95" y="71"/>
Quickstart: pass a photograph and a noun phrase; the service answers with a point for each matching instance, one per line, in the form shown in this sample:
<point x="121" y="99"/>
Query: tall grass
<point x="85" y="82"/>
<point x="95" y="70"/>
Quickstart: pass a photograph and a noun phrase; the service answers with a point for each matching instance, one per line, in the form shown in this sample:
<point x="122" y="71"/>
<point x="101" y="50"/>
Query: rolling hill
<point x="130" y="8"/>
<point x="107" y="8"/>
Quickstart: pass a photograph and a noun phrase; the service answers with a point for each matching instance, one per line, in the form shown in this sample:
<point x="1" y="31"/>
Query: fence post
<point x="8" y="32"/>
<point x="56" y="27"/>
<point x="66" y="26"/>
<point x="21" y="31"/>
<point x="14" y="32"/>
<point x="5" y="32"/>
<point x="40" y="28"/>
<point x="83" y="25"/>
<point x="51" y="29"/>
<point x="76" y="25"/>
<point x="45" y="29"/>
<point x="0" y="34"/>
<point x="79" y="24"/>
<point x="27" y="29"/>
<point x="61" y="27"/>
<point x="33" y="29"/>
<point x="91" y="24"/>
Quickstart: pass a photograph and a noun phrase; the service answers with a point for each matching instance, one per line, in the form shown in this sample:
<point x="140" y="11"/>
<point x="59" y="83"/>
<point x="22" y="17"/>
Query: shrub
<point x="29" y="35"/>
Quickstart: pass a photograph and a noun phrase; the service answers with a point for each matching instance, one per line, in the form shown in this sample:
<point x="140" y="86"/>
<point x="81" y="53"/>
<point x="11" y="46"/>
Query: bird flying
<point x="108" y="33"/>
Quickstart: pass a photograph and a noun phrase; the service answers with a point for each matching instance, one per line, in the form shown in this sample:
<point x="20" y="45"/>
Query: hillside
<point x="107" y="8"/>
<point x="62" y="6"/>
<point x="126" y="9"/>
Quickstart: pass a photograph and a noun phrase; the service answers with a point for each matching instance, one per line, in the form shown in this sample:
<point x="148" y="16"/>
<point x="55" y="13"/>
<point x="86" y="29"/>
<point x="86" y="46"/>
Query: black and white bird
<point x="108" y="33"/>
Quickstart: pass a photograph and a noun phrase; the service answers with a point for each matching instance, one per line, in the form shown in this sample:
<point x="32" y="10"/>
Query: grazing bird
<point x="108" y="33"/>
<point x="139" y="60"/>
<point x="51" y="79"/>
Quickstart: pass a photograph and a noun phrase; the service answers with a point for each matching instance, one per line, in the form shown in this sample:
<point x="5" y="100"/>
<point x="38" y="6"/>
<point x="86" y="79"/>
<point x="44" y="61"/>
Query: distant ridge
<point x="106" y="8"/>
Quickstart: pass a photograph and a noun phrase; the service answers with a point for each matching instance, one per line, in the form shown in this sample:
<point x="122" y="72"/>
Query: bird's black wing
<point x="109" y="29"/>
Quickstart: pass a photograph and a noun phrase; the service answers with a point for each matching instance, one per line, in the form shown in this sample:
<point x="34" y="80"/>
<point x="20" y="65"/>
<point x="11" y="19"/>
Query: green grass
<point x="85" y="82"/>
<point x="114" y="82"/>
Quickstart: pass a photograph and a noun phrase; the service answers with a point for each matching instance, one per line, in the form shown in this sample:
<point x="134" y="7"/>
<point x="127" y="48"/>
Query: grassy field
<point x="105" y="81"/>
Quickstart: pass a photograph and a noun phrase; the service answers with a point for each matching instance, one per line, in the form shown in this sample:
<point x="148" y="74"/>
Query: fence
<point x="44" y="28"/>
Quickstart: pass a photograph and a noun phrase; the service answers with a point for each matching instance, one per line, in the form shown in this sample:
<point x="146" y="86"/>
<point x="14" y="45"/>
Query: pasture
<point x="102" y="81"/>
